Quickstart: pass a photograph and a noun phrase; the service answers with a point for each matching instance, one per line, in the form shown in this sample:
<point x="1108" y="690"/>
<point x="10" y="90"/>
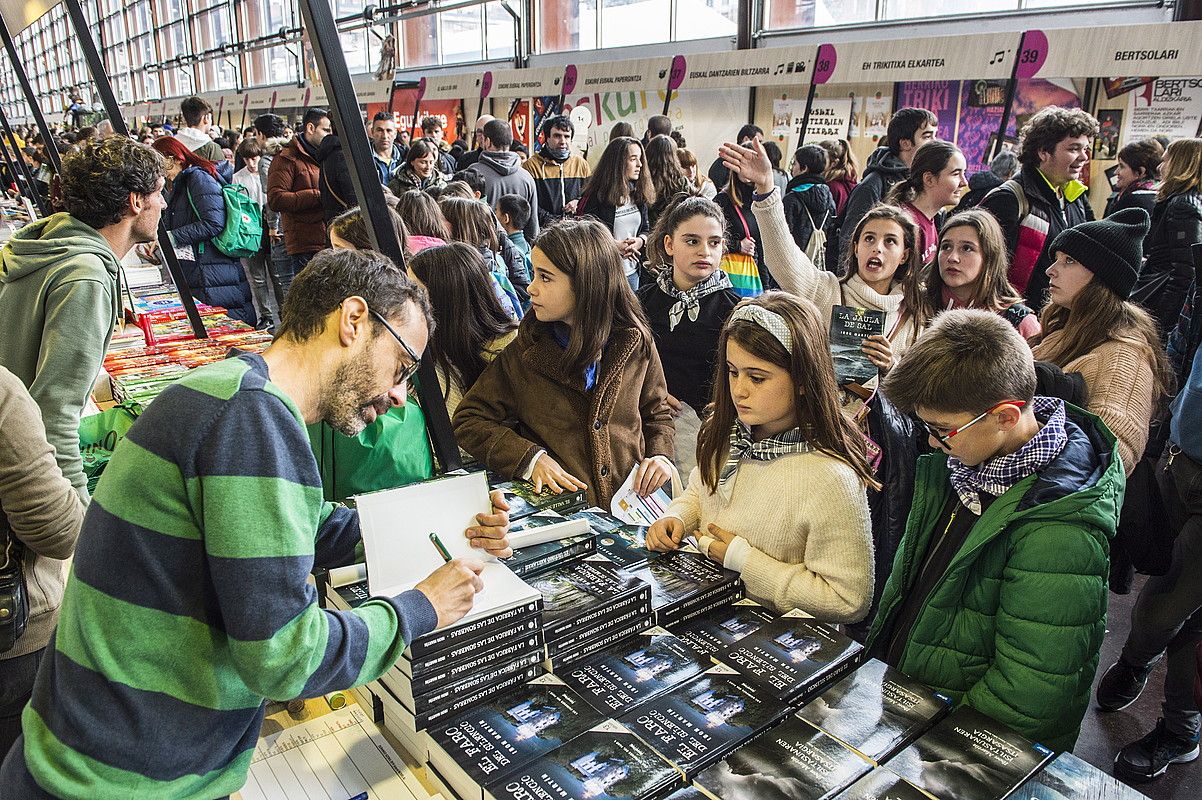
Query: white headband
<point x="768" y="320"/>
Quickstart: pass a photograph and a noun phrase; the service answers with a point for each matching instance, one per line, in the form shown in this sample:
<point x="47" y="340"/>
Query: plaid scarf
<point x="741" y="446"/>
<point x="997" y="475"/>
<point x="690" y="299"/>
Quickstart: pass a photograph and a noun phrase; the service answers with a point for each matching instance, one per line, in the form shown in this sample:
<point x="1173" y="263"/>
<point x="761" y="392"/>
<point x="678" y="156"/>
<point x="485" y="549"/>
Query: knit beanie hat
<point x="1110" y="248"/>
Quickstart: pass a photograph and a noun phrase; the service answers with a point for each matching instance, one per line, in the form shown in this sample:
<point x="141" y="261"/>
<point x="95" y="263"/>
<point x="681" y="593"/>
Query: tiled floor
<point x="1102" y="734"/>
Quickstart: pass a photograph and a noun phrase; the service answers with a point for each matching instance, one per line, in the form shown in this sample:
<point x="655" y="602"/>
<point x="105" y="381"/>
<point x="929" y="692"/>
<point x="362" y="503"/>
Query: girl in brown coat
<point x="579" y="398"/>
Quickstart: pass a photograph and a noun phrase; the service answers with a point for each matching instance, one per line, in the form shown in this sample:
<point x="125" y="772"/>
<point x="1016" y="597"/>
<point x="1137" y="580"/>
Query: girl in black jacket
<point x="618" y="196"/>
<point x="808" y="201"/>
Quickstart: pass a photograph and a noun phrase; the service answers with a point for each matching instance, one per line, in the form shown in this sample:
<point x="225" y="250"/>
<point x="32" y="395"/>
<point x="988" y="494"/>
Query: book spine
<point x="456" y="668"/>
<point x="714" y="597"/>
<point x="566" y="658"/>
<point x="564" y="556"/>
<point x="491" y="640"/>
<point x="582" y="620"/>
<point x="480" y="694"/>
<point x="448" y="637"/>
<point x="486" y="677"/>
<point x="616" y="617"/>
<point x="565" y="503"/>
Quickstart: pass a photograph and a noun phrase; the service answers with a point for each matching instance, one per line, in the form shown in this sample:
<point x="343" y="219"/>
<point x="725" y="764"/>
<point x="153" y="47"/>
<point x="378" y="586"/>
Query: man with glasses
<point x="997" y="596"/>
<point x="187" y="605"/>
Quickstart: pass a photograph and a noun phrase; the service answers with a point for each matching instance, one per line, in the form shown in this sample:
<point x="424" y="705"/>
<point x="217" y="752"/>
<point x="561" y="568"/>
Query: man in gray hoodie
<point x="60" y="283"/>
<point x="502" y="173"/>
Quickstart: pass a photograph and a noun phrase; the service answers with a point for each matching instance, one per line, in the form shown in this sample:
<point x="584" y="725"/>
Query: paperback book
<point x="531" y="560"/>
<point x="488" y="677"/>
<point x="477" y="747"/>
<point x="684" y="584"/>
<point x="716" y="629"/>
<point x="793" y="761"/>
<point x="600" y="520"/>
<point x="606" y="763"/>
<point x="636" y="669"/>
<point x="454" y="664"/>
<point x="881" y="784"/>
<point x="625" y="546"/>
<point x="524" y="501"/>
<point x="566" y="652"/>
<point x="969" y="756"/>
<point x="584" y="593"/>
<point x="544" y="526"/>
<point x="1070" y="778"/>
<point x="849" y="328"/>
<point x="791" y="655"/>
<point x="697" y="723"/>
<point x="876" y="710"/>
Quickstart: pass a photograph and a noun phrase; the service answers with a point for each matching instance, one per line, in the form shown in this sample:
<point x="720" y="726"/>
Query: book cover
<point x="689" y="792"/>
<point x="625" y="545"/>
<point x="969" y="756"/>
<point x="543" y="527"/>
<point x="531" y="560"/>
<point x="681" y="582"/>
<point x="876" y="710"/>
<point x="793" y="761"/>
<point x="1070" y="778"/>
<point x="791" y="655"/>
<point x="849" y="328"/>
<point x="636" y="669"/>
<point x="697" y="723"/>
<point x="714" y="630"/>
<point x="514" y="728"/>
<point x="600" y="520"/>
<point x="583" y="592"/>
<point x="606" y="763"/>
<point x="524" y="501"/>
<point x="881" y="784"/>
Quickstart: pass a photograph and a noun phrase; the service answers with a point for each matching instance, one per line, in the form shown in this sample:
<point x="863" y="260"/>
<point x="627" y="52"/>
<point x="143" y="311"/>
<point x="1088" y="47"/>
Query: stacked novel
<point x="793" y="656"/>
<point x="699" y="722"/>
<point x="685" y="585"/>
<point x="876" y="710"/>
<point x="881" y="784"/>
<point x="588" y="605"/>
<point x="625" y="545"/>
<point x="969" y="756"/>
<point x="715" y="630"/>
<point x="532" y="559"/>
<point x="793" y="760"/>
<point x="481" y="746"/>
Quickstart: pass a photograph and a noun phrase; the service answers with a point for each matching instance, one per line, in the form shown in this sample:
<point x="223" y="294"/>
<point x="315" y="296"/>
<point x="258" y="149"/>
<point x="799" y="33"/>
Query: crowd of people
<point x="965" y="512"/>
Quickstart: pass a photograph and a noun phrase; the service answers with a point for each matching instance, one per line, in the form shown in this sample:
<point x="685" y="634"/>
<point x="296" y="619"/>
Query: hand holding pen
<point x="451" y="588"/>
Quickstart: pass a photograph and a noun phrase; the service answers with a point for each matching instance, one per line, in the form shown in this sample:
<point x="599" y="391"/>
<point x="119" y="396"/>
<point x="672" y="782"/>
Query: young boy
<point x="255" y="267"/>
<point x="998" y="592"/>
<point x="513" y="212"/>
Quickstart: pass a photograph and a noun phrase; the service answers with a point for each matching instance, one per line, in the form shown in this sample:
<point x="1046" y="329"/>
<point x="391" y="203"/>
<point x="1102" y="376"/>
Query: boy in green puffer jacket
<point x="999" y="588"/>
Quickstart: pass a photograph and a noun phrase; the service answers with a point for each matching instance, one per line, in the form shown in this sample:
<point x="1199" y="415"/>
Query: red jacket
<point x="292" y="190"/>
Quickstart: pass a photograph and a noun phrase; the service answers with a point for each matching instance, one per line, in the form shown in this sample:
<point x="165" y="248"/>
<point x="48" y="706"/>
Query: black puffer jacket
<point x="807" y="198"/>
<point x="979" y="185"/>
<point x="1166" y="276"/>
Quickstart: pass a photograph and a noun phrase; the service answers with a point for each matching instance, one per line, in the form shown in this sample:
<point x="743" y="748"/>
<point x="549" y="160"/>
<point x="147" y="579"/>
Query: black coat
<point x="807" y="197"/>
<point x="979" y="185"/>
<point x="334" y="183"/>
<point x="1169" y="270"/>
<point x="883" y="170"/>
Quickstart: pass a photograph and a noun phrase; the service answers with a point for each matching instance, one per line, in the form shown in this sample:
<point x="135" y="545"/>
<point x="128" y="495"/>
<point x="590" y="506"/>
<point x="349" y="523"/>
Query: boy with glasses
<point x="998" y="591"/>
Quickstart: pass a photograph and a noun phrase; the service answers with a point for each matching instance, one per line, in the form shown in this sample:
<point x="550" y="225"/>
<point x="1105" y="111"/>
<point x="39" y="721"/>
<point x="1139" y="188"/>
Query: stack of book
<point x="524" y="501"/>
<point x="687" y="584"/>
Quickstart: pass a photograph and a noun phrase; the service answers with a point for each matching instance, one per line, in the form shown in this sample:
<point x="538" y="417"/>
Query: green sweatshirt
<point x="59" y="299"/>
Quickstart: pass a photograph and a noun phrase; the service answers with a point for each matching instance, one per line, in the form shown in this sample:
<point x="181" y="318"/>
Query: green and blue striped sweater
<point x="187" y="604"/>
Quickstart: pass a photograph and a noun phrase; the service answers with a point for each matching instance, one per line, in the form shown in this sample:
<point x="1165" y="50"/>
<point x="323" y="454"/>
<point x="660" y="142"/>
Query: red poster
<point x="402" y="105"/>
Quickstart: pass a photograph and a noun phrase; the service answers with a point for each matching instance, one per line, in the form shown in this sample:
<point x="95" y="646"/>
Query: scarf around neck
<point x="689" y="301"/>
<point x="742" y="446"/>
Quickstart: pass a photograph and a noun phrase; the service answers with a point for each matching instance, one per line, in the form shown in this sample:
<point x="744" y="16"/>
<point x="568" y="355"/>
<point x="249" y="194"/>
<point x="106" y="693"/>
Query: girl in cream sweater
<point x="779" y="491"/>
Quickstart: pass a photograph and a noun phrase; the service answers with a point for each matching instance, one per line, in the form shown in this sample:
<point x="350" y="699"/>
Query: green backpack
<point x="243" y="232"/>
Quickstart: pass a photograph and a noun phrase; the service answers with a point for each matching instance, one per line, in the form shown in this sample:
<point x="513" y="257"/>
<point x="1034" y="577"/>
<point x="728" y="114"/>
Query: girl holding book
<point x="578" y="399"/>
<point x="778" y="430"/>
<point x="687" y="306"/>
<point x="971" y="272"/>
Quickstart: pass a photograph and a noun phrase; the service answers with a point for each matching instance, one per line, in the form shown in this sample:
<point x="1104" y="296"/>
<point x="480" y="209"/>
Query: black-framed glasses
<point x="943" y="438"/>
<point x="414" y="360"/>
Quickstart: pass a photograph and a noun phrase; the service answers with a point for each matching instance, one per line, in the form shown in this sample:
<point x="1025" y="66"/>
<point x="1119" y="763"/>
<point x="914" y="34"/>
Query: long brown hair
<point x="585" y="251"/>
<point x="667" y="177"/>
<point x="842" y="163"/>
<point x="608" y="183"/>
<point x="1182" y="168"/>
<point x="421" y="215"/>
<point x="1097" y="316"/>
<point x="472" y="222"/>
<point x="909" y="273"/>
<point x="933" y="158"/>
<point x="819" y="414"/>
<point x="993" y="291"/>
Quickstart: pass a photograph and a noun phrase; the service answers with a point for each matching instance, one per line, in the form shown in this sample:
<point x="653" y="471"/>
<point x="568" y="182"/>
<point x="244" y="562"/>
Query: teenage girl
<point x="881" y="271"/>
<point x="687" y="305"/>
<point x="578" y="400"/>
<point x="472" y="222"/>
<point x="971" y="272"/>
<point x="619" y="194"/>
<point x="935" y="181"/>
<point x="777" y="430"/>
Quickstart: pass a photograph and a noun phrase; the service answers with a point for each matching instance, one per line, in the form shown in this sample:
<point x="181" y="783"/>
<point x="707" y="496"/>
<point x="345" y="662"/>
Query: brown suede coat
<point x="293" y="190"/>
<point x="525" y="402"/>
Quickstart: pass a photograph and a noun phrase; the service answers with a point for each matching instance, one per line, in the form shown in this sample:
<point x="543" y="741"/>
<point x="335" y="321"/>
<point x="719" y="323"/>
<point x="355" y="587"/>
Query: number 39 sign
<point x="1032" y="54"/>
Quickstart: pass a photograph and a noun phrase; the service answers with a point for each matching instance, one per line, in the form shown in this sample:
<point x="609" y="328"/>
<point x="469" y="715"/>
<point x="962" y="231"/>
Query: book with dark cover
<point x="969" y="756"/>
<point x="511" y="730"/>
<point x="793" y="761"/>
<point x="689" y="792"/>
<point x="524" y="501"/>
<point x="697" y="723"/>
<point x="484" y="688"/>
<point x="1070" y="778"/>
<point x="881" y="784"/>
<point x="581" y="593"/>
<point x="518" y="630"/>
<point x="491" y="629"/>
<point x="607" y="763"/>
<point x="600" y="520"/>
<point x="625" y="545"/>
<point x="876" y="710"/>
<point x="636" y="669"/>
<point x="683" y="583"/>
<point x="349" y="597"/>
<point x="849" y="328"/>
<point x="491" y="674"/>
<point x="568" y="651"/>
<point x="453" y="665"/>
<point x="712" y="631"/>
<point x="528" y="561"/>
<point x="791" y="655"/>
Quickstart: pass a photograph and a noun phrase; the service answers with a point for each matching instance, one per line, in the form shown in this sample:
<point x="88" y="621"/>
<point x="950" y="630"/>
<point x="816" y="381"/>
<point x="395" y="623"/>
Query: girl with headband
<point x="777" y="432"/>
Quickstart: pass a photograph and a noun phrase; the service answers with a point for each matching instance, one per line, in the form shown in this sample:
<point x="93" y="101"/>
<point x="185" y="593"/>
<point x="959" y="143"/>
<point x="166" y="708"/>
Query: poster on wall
<point x="939" y="97"/>
<point x="782" y="117"/>
<point x="1169" y="106"/>
<point x="402" y="105"/>
<point x="1106" y="143"/>
<point x="1119" y="86"/>
<point x="519" y="124"/>
<point x="829" y="119"/>
<point x="876" y="115"/>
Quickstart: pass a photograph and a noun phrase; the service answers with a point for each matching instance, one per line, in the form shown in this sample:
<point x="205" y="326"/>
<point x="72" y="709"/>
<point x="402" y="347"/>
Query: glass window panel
<point x="173" y="41"/>
<point x="354" y="47"/>
<point x="499" y="32"/>
<point x="702" y="19"/>
<point x="212" y="29"/>
<point x="419" y="37"/>
<point x="268" y="16"/>
<point x="1062" y="3"/>
<point x="138" y="18"/>
<point x="142" y="51"/>
<point x="908" y="9"/>
<point x="626" y="22"/>
<point x="345" y="8"/>
<point x="460" y="35"/>
<point x="169" y="10"/>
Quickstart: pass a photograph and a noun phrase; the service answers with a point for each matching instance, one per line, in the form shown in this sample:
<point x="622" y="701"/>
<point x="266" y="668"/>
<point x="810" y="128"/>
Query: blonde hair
<point x="1182" y="168"/>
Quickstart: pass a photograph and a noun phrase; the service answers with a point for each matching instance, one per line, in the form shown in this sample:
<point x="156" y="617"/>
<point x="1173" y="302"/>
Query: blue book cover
<point x="791" y="655"/>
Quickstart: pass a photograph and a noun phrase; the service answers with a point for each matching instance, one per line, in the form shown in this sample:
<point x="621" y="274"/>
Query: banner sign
<point x="1165" y="49"/>
<point x="770" y="66"/>
<point x="1169" y="106"/>
<point x="985" y="55"/>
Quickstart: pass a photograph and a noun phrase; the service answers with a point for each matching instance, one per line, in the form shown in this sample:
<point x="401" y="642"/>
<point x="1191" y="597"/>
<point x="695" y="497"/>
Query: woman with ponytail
<point x="935" y="182"/>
